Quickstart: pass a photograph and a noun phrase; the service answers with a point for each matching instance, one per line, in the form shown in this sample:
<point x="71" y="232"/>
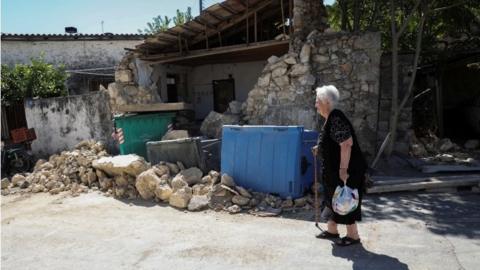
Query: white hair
<point x="328" y="93"/>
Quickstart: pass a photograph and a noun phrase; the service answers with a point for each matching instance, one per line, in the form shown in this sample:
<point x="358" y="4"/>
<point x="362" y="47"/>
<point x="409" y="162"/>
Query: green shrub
<point x="39" y="79"/>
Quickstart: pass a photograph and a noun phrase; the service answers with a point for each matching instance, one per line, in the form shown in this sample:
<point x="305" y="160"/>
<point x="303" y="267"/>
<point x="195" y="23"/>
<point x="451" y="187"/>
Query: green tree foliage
<point x="160" y="24"/>
<point x="38" y="79"/>
<point x="183" y="17"/>
<point x="446" y="19"/>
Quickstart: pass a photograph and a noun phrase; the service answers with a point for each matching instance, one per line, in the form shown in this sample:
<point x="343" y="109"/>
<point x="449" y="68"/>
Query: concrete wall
<point x="61" y="123"/>
<point x="73" y="54"/>
<point x="201" y="77"/>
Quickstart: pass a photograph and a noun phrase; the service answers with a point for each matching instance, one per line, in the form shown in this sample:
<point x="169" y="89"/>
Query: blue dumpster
<point x="309" y="140"/>
<point x="264" y="158"/>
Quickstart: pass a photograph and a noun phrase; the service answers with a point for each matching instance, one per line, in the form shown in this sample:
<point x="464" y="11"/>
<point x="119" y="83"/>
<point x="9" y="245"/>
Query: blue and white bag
<point x="345" y="200"/>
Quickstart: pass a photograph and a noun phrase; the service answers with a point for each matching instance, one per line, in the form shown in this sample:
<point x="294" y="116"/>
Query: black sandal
<point x="327" y="235"/>
<point x="347" y="241"/>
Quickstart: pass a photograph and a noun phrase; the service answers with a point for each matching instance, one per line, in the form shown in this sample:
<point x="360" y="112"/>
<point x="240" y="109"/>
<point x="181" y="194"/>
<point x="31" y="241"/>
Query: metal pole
<point x="255" y="19"/>
<point x="206" y="36"/>
<point x="200" y="5"/>
<point x="247" y="23"/>
<point x="283" y="18"/>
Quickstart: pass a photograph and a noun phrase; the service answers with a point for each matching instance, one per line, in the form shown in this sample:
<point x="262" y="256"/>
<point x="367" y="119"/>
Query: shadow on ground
<point x="364" y="259"/>
<point x="442" y="213"/>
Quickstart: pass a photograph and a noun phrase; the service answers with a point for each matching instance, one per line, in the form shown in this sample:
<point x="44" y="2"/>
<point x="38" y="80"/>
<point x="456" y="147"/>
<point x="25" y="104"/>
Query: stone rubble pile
<point x="89" y="168"/>
<point x="69" y="170"/>
<point x="213" y="123"/>
<point x="190" y="189"/>
<point x="433" y="149"/>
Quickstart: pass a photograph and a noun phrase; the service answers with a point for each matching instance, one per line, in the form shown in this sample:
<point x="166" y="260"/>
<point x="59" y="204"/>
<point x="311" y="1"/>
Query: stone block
<point x="123" y="75"/>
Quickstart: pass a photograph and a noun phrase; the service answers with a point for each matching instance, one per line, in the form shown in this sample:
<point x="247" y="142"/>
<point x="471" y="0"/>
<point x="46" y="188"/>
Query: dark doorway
<point x="172" y="90"/>
<point x="223" y="94"/>
<point x="461" y="100"/>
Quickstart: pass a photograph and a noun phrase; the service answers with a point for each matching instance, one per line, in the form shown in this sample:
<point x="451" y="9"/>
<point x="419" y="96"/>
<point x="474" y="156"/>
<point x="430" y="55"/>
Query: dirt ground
<point x="91" y="231"/>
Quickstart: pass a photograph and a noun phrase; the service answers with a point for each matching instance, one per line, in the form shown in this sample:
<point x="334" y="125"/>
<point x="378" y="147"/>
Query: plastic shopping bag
<point x="345" y="200"/>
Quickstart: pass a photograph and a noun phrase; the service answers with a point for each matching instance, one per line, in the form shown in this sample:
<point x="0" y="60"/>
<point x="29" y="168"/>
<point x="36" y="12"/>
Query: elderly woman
<point x="342" y="163"/>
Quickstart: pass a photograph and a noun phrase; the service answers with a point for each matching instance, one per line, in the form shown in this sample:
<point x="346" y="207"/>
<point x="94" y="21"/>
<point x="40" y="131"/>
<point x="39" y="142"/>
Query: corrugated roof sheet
<point x="106" y="36"/>
<point x="210" y="22"/>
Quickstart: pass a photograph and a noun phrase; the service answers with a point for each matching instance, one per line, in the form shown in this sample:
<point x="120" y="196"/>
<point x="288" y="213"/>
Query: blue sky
<point x="119" y="16"/>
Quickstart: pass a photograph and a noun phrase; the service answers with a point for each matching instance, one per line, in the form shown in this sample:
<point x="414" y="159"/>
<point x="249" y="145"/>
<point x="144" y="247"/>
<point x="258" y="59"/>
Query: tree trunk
<point x="344" y="10"/>
<point x="393" y="111"/>
<point x="356" y="15"/>
<point x="397" y="108"/>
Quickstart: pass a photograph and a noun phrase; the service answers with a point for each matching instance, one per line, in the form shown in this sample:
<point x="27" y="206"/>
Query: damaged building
<point x="269" y="56"/>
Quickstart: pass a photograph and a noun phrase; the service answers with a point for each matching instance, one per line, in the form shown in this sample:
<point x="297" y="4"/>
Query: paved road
<point x="419" y="231"/>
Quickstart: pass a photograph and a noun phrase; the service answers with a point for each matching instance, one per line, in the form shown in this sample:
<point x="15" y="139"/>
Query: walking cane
<point x="315" y="186"/>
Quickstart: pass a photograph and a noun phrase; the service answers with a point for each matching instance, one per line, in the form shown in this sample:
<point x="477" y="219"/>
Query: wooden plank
<point x="214" y="15"/>
<point x="255" y="25"/>
<point x="449" y="168"/>
<point x="432" y="183"/>
<point x="193" y="30"/>
<point x="225" y="25"/>
<point x="156" y="107"/>
<point x="205" y="23"/>
<point x="401" y="181"/>
<point x="214" y="51"/>
<point x="247" y="25"/>
<point x="229" y="8"/>
<point x="283" y="18"/>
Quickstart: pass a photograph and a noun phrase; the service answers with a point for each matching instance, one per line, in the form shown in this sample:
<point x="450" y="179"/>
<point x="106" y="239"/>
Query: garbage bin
<point x="264" y="158"/>
<point x="138" y="129"/>
<point x="186" y="150"/>
<point x="307" y="169"/>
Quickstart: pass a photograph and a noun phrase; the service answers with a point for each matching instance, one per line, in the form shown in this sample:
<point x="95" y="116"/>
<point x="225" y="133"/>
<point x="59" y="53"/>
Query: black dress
<point x="337" y="129"/>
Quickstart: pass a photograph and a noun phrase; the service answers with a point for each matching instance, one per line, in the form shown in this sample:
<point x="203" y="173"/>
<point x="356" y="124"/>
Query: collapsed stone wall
<point x="284" y="93"/>
<point x="126" y="90"/>
<point x="308" y="15"/>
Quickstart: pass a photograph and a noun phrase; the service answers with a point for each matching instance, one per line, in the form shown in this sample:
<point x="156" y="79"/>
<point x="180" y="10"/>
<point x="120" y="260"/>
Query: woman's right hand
<point x="315" y="150"/>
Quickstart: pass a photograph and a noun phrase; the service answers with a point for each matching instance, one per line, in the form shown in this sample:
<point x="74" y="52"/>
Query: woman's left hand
<point x="343" y="175"/>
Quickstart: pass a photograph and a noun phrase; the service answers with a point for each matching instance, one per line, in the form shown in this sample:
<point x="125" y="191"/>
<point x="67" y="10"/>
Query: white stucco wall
<point x="200" y="82"/>
<point x="61" y="123"/>
<point x="71" y="53"/>
<point x="74" y="55"/>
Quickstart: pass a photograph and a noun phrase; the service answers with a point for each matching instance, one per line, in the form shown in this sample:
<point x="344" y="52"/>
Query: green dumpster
<point x="138" y="129"/>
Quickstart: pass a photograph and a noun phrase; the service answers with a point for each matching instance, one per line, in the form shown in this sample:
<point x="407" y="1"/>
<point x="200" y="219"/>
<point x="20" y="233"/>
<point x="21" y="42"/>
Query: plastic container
<point x="310" y="138"/>
<point x="264" y="158"/>
<point x="192" y="152"/>
<point x="187" y="150"/>
<point x="23" y="134"/>
<point x="212" y="154"/>
<point x="138" y="129"/>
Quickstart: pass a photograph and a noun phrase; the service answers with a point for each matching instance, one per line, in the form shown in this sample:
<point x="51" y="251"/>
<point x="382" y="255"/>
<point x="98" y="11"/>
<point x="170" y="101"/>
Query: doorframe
<point x="213" y="90"/>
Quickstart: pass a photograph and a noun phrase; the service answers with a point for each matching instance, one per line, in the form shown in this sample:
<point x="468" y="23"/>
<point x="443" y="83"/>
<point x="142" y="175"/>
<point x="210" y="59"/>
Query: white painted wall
<point x="71" y="53"/>
<point x="61" y="123"/>
<point x="200" y="82"/>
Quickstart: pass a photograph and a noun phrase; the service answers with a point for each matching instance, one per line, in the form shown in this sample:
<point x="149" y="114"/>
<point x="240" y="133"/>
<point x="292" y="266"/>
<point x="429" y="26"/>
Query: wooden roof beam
<point x="235" y="20"/>
<point x="202" y="22"/>
<point x="242" y="3"/>
<point x="169" y="40"/>
<point x="217" y="17"/>
<point x="228" y="9"/>
<point x="191" y="29"/>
